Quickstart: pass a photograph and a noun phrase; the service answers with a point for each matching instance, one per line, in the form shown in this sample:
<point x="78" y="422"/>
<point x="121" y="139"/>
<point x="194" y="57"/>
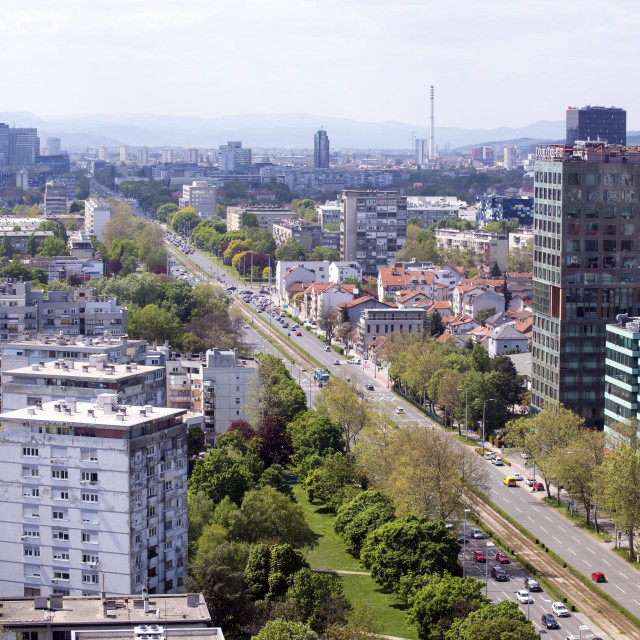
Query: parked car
<point x="537" y="486"/>
<point x="479" y="556"/>
<point x="526" y="456"/>
<point x="502" y="558"/>
<point x="476" y="534"/>
<point x="498" y="462"/>
<point x="529" y="482"/>
<point x="327" y="348"/>
<point x="369" y="387"/>
<point x="462" y="539"/>
<point x="517" y="477"/>
<point x="531" y="584"/>
<point x="549" y="622"/>
<point x="560" y="609"/>
<point x="499" y="574"/>
<point x="523" y="596"/>
<point x="598" y="576"/>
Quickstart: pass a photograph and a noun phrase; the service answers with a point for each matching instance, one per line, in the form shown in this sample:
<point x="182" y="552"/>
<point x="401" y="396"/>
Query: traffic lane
<point x="579" y="549"/>
<point x="498" y="591"/>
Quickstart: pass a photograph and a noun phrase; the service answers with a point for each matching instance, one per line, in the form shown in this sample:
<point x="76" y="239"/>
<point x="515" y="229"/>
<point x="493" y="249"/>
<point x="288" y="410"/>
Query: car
<point x="298" y="333"/>
<point x="353" y="361"/>
<point x="525" y="456"/>
<point x="369" y="387"/>
<point x="476" y="534"/>
<point x="489" y="455"/>
<point x="295" y="326"/>
<point x="549" y="622"/>
<point x="598" y="576"/>
<point x="502" y="558"/>
<point x="497" y="461"/>
<point x="479" y="556"/>
<point x="560" y="610"/>
<point x="462" y="538"/>
<point x="529" y="482"/>
<point x="523" y="597"/>
<point x="537" y="486"/>
<point x="286" y="326"/>
<point x="327" y="348"/>
<point x="531" y="584"/>
<point x="517" y="477"/>
<point x="510" y="481"/>
<point x="336" y="361"/>
<point x="499" y="574"/>
<point x="399" y="410"/>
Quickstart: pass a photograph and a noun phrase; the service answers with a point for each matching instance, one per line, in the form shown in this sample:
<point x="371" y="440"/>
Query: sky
<point x="493" y="62"/>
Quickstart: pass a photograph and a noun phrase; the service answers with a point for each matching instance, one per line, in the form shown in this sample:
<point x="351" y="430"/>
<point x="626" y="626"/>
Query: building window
<point x="89" y="497"/>
<point x="30" y="452"/>
<point x="62" y="495"/>
<point x="31" y="492"/>
<point x="60" y="575"/>
<point x="60" y="474"/>
<point x="88" y="537"/>
<point x="89" y="476"/>
<point x="59" y="554"/>
<point x="58" y="515"/>
<point x="61" y="535"/>
<point x="31" y="552"/>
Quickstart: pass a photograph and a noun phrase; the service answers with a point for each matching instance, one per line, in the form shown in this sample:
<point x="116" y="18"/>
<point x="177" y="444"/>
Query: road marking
<point x="570" y="549"/>
<point x="561" y="529"/>
<point x="636" y="601"/>
<point x="548" y="518"/>
<point x="622" y="574"/>
<point x="607" y="563"/>
<point x="544" y="529"/>
<point x="518" y="510"/>
<point x="530" y="518"/>
<point x="576" y="539"/>
<point x="556" y="539"/>
<point x="592" y="551"/>
<point x="544" y="599"/>
<point x="506" y="501"/>
<point x="617" y="587"/>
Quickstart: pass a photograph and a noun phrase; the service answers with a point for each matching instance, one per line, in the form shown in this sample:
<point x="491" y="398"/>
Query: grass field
<point x="332" y="554"/>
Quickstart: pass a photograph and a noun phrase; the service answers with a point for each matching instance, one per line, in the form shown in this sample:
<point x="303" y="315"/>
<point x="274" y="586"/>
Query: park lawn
<point x="332" y="554"/>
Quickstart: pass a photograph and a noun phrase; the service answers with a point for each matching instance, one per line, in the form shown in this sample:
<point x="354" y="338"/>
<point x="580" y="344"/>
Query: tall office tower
<point x="590" y="123"/>
<point x="124" y="153"/>
<point x="422" y="150"/>
<point x="102" y="153"/>
<point x="373" y="226"/>
<point x="53" y="144"/>
<point x="201" y="196"/>
<point x="321" y="149"/>
<point x="192" y="155"/>
<point x="4" y="144"/>
<point x="24" y="146"/>
<point x="143" y="155"/>
<point x="93" y="494"/>
<point x="233" y="157"/>
<point x="511" y="157"/>
<point x="585" y="267"/>
<point x="55" y="199"/>
<point x="167" y="156"/>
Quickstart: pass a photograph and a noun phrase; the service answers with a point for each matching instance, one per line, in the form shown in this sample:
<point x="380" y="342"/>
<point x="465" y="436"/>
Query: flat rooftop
<point x="178" y="608"/>
<point x="51" y="340"/>
<point x="68" y="368"/>
<point x="150" y="632"/>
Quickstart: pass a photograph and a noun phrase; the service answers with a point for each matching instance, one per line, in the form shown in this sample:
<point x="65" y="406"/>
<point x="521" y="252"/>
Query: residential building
<point x="330" y="239"/>
<point x="97" y="212"/>
<point x="101" y="616"/>
<point x="69" y="181"/>
<point x="522" y="239"/>
<point x="323" y="298"/>
<point x="18" y="239"/>
<point x="227" y="380"/>
<point x="470" y="299"/>
<point x="397" y="278"/>
<point x="143" y="156"/>
<point x="288" y="272"/>
<point x="383" y="322"/>
<point x="233" y="157"/>
<point x="53" y="145"/>
<point x="511" y="158"/>
<point x="585" y="268"/>
<point x="422" y="150"/>
<point x="267" y="216"/>
<point x="192" y="155"/>
<point x="341" y="271"/>
<point x="621" y="381"/>
<point x="321" y="149"/>
<point x="486" y="248"/>
<point x="93" y="495"/>
<point x="433" y="210"/>
<point x="308" y="234"/>
<point x="23" y="147"/>
<point x="596" y="123"/>
<point x="352" y="311"/>
<point x="102" y="153"/>
<point x="201" y="196"/>
<point x="124" y="153"/>
<point x="167" y="156"/>
<point x="506" y="339"/>
<point x="83" y="381"/>
<point x="184" y="381"/>
<point x="78" y="311"/>
<point x="373" y="226"/>
<point x="80" y="246"/>
<point x="55" y="199"/>
<point x="329" y="213"/>
<point x="494" y="208"/>
<point x="63" y="267"/>
<point x="460" y="325"/>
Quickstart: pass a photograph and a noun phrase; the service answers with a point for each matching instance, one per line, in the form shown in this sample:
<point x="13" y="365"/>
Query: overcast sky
<point x="493" y="62"/>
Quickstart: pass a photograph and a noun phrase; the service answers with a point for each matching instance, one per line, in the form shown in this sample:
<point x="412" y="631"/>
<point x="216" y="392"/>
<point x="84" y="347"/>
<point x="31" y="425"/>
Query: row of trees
<point x="150" y="194"/>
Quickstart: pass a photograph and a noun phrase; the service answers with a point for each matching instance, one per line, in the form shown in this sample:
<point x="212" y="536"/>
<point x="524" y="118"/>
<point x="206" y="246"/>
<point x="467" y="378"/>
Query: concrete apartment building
<point x="167" y="156"/>
<point x="486" y="247"/>
<point x="585" y="268"/>
<point x="143" y="156"/>
<point x="226" y="385"/>
<point x="321" y="149"/>
<point x="184" y="382"/>
<point x="201" y="196"/>
<point x="103" y="616"/>
<point x="267" y="216"/>
<point x="64" y="379"/>
<point x="288" y="272"/>
<point x="18" y="239"/>
<point x="388" y="321"/>
<point x="232" y="157"/>
<point x="309" y="235"/>
<point x="55" y="199"/>
<point x="373" y="226"/>
<point x="69" y="312"/>
<point x="329" y="213"/>
<point x="494" y="208"/>
<point x="97" y="212"/>
<point x="340" y="271"/>
<point x="93" y="495"/>
<point x="432" y="210"/>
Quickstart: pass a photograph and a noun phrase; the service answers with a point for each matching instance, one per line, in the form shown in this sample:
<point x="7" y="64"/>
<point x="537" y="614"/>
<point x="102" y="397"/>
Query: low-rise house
<point x="462" y="323"/>
<point x="321" y="298"/>
<point x="340" y="271"/>
<point x="413" y="299"/>
<point x="506" y="339"/>
<point x="352" y="311"/>
<point x="288" y="272"/>
<point x="443" y="307"/>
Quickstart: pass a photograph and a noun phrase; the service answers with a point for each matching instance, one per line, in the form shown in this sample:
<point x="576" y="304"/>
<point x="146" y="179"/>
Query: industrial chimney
<point x="432" y="144"/>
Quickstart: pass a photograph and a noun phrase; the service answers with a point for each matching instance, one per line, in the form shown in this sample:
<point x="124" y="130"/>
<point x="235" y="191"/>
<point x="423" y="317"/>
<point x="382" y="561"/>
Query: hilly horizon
<point x="284" y="131"/>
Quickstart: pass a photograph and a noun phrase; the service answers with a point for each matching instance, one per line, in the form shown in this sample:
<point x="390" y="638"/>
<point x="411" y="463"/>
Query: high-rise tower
<point x="593" y="123"/>
<point x="321" y="149"/>
<point x="432" y="138"/>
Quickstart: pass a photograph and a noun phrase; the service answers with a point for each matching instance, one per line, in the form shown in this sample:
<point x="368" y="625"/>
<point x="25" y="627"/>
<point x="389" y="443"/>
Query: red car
<point x="537" y="486"/>
<point x="298" y="333"/>
<point x="502" y="558"/>
<point x="479" y="556"/>
<point x="598" y="576"/>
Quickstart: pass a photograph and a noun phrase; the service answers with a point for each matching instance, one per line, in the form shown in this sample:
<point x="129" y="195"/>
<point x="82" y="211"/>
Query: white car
<point x="336" y="361"/>
<point x="497" y="462"/>
<point x="399" y="410"/>
<point x="516" y="476"/>
<point x="476" y="534"/>
<point x="523" y="596"/>
<point x="560" y="610"/>
<point x="327" y="348"/>
<point x="526" y="456"/>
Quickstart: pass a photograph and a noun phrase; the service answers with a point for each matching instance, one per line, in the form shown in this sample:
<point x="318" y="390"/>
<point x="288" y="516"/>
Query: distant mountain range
<point x="284" y="131"/>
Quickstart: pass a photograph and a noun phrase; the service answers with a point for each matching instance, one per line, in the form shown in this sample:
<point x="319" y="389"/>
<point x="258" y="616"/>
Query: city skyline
<point x="285" y="37"/>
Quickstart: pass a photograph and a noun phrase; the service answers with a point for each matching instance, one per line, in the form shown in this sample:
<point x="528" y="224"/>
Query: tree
<point x="450" y="392"/>
<point x="436" y="606"/>
<point x="200" y="508"/>
<point x="325" y="253"/>
<point x="358" y="505"/>
<point x="336" y="472"/>
<point x="256" y="573"/>
<point x="195" y="441"/>
<point x="58" y="228"/>
<point x="276" y="443"/>
<point x="185" y="220"/>
<point x="243" y="428"/>
<point x="285" y="562"/>
<point x="409" y="545"/>
<point x="356" y="532"/>
<point x="501" y="621"/>
<point x="266" y="515"/>
<point x="291" y="250"/>
<point x="249" y="220"/>
<point x="32" y="246"/>
<point x="281" y="629"/>
<point x="436" y="324"/>
<point x="275" y="477"/>
<point x="50" y="247"/>
<point x="220" y="474"/>
<point x="165" y="211"/>
<point x="114" y="266"/>
<point x="345" y="404"/>
<point x="521" y="260"/>
<point x="480" y="359"/>
<point x="495" y="270"/>
<point x="154" y="325"/>
<point x="483" y="314"/>
<point x="328" y="319"/>
<point x="506" y="292"/>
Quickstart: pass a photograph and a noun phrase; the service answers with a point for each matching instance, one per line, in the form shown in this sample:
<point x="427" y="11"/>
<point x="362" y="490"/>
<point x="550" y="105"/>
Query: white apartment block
<point x="340" y="271"/>
<point x="266" y="215"/>
<point x="383" y="322"/>
<point x="93" y="494"/>
<point x="167" y="156"/>
<point x="201" y="196"/>
<point x="226" y="381"/>
<point x="314" y="271"/>
<point x="233" y="157"/>
<point x="143" y="155"/>
<point x="55" y="199"/>
<point x="432" y="210"/>
<point x="487" y="247"/>
<point x="83" y="381"/>
<point x="124" y="153"/>
<point x="520" y="240"/>
<point x="192" y="155"/>
<point x="97" y="212"/>
<point x="329" y="213"/>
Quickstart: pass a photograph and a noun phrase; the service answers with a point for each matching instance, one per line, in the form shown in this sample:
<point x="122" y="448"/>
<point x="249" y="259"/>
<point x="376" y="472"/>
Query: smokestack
<point x="432" y="144"/>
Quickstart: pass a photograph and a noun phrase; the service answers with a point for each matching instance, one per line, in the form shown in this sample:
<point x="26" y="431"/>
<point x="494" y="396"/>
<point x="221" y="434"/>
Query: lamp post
<point x="486" y="568"/>
<point x="466" y="412"/>
<point x="484" y="407"/>
<point x="464" y="543"/>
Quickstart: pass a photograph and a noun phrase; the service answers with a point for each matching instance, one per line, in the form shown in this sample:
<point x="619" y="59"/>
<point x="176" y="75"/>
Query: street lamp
<point x="484" y="407"/>
<point x="464" y="543"/>
<point x="466" y="412"/>
<point x="486" y="568"/>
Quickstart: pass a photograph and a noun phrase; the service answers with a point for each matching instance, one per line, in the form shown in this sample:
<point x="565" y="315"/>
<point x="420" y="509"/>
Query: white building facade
<point x="97" y="212"/>
<point x="201" y="196"/>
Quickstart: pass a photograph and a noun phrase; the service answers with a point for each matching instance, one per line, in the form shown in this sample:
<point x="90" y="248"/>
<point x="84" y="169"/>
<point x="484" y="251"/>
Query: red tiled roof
<point x="296" y="287"/>
<point x="525" y="326"/>
<point x="440" y="304"/>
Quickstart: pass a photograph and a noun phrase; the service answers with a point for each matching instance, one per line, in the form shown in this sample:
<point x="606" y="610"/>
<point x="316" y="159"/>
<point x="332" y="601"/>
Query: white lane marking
<point x="518" y="510"/>
<point x="622" y="574"/>
<point x="544" y="599"/>
<point x="506" y="501"/>
<point x="617" y="587"/>
<point x="576" y="539"/>
<point x="530" y="518"/>
<point x="572" y="551"/>
<point x="607" y="563"/>
<point x="556" y="539"/>
<point x="592" y="551"/>
<point x="548" y="518"/>
<point x="561" y="529"/>
<point x="544" y="529"/>
<point x="636" y="601"/>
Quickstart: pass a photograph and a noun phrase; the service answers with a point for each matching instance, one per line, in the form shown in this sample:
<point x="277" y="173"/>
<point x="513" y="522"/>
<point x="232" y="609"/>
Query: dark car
<point x="531" y="584"/>
<point x="462" y="539"/>
<point x="369" y="387"/>
<point x="298" y="333"/>
<point x="499" y="574"/>
<point x="549" y="622"/>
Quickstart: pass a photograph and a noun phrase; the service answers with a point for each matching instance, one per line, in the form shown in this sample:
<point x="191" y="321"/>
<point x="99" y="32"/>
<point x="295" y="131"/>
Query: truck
<point x="321" y="376"/>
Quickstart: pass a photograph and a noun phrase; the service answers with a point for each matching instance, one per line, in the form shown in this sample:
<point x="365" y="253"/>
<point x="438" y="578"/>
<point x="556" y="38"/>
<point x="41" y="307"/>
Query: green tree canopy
<point x="53" y="246"/>
<point x="281" y="629"/>
<point x="185" y="220"/>
<point x="291" y="250"/>
<point x="220" y="474"/>
<point x="501" y="621"/>
<point x="154" y="325"/>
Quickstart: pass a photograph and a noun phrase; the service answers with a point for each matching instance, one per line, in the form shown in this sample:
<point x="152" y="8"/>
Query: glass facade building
<point x="590" y="123"/>
<point x="321" y="150"/>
